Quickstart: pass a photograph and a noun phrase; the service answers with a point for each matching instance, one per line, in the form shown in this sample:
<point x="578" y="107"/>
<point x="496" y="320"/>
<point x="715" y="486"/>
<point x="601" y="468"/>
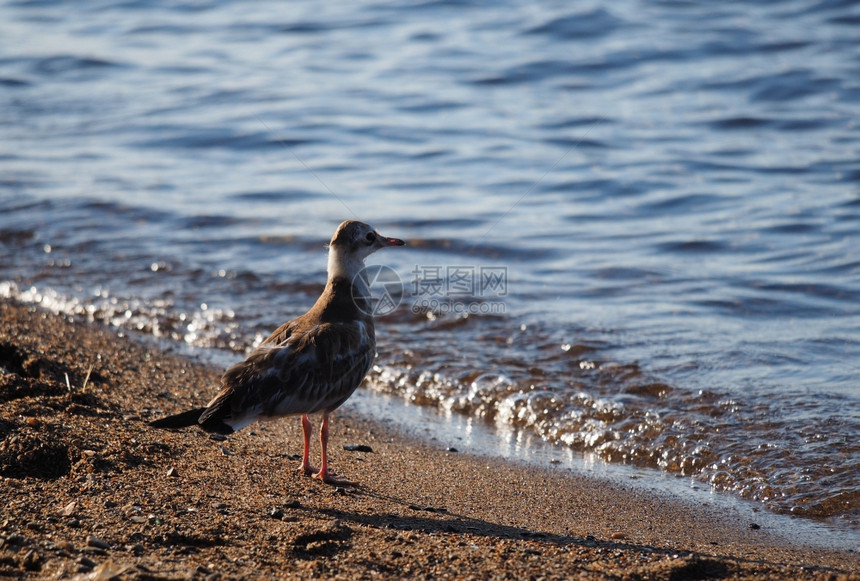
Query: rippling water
<point x="634" y="228"/>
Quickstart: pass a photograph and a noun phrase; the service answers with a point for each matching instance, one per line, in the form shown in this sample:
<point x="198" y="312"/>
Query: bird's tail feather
<point x="192" y="418"/>
<point x="177" y="421"/>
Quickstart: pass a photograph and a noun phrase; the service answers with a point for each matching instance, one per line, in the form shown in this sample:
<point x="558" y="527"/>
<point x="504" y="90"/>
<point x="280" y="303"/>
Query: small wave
<point x="287" y="194"/>
<point x="17" y="236"/>
<point x="845" y="20"/>
<point x="528" y="72"/>
<point x="67" y="64"/>
<point x="485" y="251"/>
<point x="208" y="221"/>
<point x="572" y="122"/>
<point x="439" y="223"/>
<point x="583" y="143"/>
<point x="580" y="26"/>
<point x="202" y="327"/>
<point x="756" y="305"/>
<point x="789" y="86"/>
<point x="422" y="185"/>
<point x="793" y="228"/>
<point x="693" y="246"/>
<point x="806" y="289"/>
<point x="742" y="123"/>
<point x="627" y="274"/>
<point x="616" y="413"/>
<point x="852" y="176"/>
<point x="198" y="138"/>
<point x="159" y="29"/>
<point x="683" y="204"/>
<point x="12" y="82"/>
<point x="425" y="107"/>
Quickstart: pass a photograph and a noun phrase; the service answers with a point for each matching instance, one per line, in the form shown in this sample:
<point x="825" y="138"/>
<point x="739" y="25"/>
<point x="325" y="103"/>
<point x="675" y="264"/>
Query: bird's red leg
<point x="324" y="474"/>
<point x="307" y="430"/>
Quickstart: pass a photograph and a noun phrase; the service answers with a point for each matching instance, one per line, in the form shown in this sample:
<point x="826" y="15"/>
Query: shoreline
<point x="87" y="489"/>
<point x="479" y="439"/>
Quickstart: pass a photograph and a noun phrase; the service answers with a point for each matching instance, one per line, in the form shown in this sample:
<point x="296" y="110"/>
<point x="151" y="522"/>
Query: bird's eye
<point x="371" y="236"/>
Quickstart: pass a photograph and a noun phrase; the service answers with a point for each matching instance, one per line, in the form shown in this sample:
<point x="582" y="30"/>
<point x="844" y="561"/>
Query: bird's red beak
<point x="392" y="241"/>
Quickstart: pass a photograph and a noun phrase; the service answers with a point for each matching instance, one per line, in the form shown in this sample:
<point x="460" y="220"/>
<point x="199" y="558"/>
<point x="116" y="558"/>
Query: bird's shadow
<point x="428" y="519"/>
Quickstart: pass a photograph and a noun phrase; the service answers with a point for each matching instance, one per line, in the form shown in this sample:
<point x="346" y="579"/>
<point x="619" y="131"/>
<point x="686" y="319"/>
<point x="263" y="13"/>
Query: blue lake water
<point x="634" y="228"/>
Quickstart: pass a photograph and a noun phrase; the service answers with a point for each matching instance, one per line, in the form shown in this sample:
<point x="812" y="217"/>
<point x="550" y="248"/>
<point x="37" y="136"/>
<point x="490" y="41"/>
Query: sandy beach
<point x="90" y="490"/>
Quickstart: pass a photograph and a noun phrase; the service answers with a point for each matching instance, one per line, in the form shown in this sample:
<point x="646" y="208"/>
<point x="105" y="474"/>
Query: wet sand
<point x="89" y="489"/>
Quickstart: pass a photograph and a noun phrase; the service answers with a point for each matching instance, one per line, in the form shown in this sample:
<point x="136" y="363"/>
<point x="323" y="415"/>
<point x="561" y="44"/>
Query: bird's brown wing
<point x="313" y="371"/>
<point x="283" y="333"/>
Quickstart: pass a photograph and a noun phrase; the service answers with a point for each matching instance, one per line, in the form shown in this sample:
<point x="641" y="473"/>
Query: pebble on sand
<point x="357" y="448"/>
<point x="96" y="542"/>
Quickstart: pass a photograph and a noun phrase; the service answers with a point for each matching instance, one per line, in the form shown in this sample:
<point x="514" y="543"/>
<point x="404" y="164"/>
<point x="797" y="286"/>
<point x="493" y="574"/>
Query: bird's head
<point x="353" y="241"/>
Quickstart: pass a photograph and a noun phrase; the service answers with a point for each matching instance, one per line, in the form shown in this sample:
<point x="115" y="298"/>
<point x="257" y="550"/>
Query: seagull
<point x="309" y="365"/>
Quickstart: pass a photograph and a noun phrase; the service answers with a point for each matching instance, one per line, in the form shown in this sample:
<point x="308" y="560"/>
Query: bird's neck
<point x="347" y="293"/>
<point x="347" y="266"/>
